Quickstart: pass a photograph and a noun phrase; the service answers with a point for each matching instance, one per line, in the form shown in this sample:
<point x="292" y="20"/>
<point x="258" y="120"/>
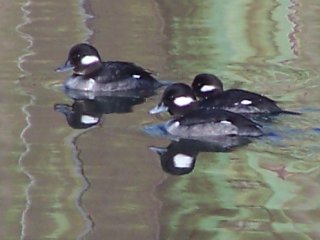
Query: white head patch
<point x="246" y="102"/>
<point x="225" y="122"/>
<point x="183" y="101"/>
<point x="182" y="161"/>
<point x="87" y="119"/>
<point x="207" y="88"/>
<point x="87" y="60"/>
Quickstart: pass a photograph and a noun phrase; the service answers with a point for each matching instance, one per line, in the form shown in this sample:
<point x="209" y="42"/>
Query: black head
<point x="177" y="99"/>
<point x="83" y="59"/>
<point x="205" y="85"/>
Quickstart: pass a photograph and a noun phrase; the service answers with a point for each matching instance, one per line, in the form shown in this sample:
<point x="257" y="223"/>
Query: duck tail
<point x="288" y="112"/>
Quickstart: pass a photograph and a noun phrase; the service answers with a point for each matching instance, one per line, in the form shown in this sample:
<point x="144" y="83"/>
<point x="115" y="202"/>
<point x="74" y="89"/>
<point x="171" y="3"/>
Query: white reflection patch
<point x="87" y="119"/>
<point x="182" y="161"/>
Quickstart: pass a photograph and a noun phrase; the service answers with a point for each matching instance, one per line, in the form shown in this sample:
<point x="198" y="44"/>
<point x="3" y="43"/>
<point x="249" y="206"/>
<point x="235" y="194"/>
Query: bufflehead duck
<point x="209" y="89"/>
<point x="90" y="73"/>
<point x="190" y="121"/>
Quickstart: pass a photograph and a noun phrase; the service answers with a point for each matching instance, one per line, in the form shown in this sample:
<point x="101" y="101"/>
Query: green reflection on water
<point x="62" y="225"/>
<point x="265" y="190"/>
<point x="284" y="189"/>
<point x="212" y="34"/>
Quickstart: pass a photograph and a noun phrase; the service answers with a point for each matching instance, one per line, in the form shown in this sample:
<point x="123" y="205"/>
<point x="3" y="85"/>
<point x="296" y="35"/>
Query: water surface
<point x="103" y="182"/>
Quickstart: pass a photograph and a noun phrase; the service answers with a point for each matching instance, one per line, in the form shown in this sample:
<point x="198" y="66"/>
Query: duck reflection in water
<point x="87" y="109"/>
<point x="180" y="156"/>
<point x="81" y="114"/>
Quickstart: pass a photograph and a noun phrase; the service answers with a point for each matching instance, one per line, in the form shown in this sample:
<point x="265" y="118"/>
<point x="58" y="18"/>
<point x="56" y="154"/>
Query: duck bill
<point x="62" y="108"/>
<point x="65" y="67"/>
<point x="159" y="150"/>
<point x="158" y="109"/>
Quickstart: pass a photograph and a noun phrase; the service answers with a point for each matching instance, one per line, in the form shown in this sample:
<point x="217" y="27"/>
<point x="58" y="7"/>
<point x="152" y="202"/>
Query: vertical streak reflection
<point x="89" y="222"/>
<point x="28" y="52"/>
<point x="79" y="170"/>
<point x="296" y="28"/>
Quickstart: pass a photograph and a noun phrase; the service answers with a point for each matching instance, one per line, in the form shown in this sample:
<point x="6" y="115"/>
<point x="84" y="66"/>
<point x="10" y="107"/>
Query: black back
<point x="232" y="100"/>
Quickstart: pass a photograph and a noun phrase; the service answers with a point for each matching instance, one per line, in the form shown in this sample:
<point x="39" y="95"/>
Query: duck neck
<point x="88" y="70"/>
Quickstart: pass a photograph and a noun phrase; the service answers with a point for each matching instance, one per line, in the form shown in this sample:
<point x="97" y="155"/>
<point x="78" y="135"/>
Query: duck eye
<point x="76" y="57"/>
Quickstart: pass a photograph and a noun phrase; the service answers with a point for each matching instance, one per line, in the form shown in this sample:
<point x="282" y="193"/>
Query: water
<point x="104" y="182"/>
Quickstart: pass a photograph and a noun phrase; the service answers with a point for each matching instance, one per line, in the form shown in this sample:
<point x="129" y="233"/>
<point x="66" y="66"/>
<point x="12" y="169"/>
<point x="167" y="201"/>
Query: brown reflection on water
<point x="54" y="184"/>
<point x="129" y="31"/>
<point x="99" y="181"/>
<point x="119" y="166"/>
<point x="12" y="122"/>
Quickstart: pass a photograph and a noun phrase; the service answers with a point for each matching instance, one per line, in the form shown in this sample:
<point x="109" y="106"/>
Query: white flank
<point x="246" y="102"/>
<point x="225" y="122"/>
<point x="136" y="76"/>
<point x="183" y="101"/>
<point x="87" y="60"/>
<point x="87" y="119"/>
<point x="207" y="88"/>
<point x="182" y="161"/>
